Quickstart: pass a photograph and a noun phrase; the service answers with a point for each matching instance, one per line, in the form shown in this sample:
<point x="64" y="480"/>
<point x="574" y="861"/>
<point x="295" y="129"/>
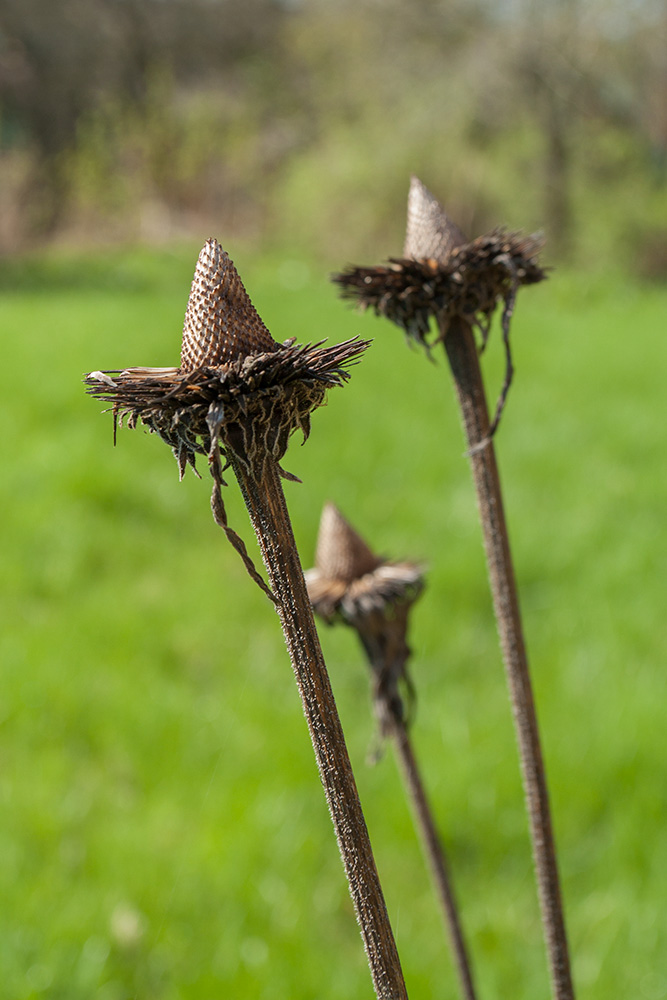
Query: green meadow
<point x="163" y="831"/>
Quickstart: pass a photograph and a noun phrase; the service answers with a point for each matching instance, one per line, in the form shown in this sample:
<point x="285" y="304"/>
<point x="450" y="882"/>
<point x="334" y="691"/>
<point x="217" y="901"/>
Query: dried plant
<point x="239" y="395"/>
<point x="374" y="596"/>
<point x="460" y="285"/>
<point x="444" y="277"/>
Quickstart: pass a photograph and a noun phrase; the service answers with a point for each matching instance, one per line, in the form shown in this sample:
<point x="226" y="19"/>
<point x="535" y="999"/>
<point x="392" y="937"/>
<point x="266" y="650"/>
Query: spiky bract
<point x="389" y="584"/>
<point x="469" y="283"/>
<point x="249" y="407"/>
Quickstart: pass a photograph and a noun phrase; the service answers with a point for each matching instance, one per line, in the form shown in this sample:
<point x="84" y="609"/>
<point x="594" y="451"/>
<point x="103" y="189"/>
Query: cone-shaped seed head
<point x="430" y="232"/>
<point x="341" y="553"/>
<point x="237" y="394"/>
<point x="221" y="323"/>
<point x="351" y="583"/>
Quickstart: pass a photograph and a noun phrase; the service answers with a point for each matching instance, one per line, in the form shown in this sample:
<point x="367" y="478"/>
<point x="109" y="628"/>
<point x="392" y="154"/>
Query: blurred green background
<point x="163" y="831"/>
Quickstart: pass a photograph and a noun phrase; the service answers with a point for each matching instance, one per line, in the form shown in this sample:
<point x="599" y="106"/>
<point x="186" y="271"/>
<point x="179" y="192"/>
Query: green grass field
<point x="164" y="833"/>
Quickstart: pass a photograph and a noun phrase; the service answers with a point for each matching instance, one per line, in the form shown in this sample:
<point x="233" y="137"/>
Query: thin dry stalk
<point x="464" y="362"/>
<point x="266" y="505"/>
<point x="436" y="857"/>
<point x="460" y="284"/>
<point x="350" y="584"/>
<point x="389" y="710"/>
<point x="240" y="395"/>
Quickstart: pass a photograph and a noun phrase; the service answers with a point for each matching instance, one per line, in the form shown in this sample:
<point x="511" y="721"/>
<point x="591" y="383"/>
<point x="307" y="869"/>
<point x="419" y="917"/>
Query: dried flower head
<point x="443" y="276"/>
<point x="237" y="392"/>
<point x="352" y="585"/>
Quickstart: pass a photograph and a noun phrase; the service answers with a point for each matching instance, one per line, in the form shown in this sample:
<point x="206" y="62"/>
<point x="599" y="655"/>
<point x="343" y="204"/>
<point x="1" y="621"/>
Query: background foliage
<point x="299" y="122"/>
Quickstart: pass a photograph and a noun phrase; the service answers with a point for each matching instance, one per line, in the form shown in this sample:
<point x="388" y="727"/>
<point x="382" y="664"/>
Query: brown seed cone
<point x="442" y="275"/>
<point x="221" y="323"/>
<point x="236" y="386"/>
<point x="349" y="581"/>
<point x="352" y="585"/>
<point x="237" y="391"/>
<point x="447" y="280"/>
<point x="341" y="552"/>
<point x="430" y="232"/>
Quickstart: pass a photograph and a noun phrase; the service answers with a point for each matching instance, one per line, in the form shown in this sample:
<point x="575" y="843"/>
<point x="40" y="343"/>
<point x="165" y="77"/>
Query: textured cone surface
<point x="221" y="323"/>
<point x="341" y="553"/>
<point x="430" y="232"/>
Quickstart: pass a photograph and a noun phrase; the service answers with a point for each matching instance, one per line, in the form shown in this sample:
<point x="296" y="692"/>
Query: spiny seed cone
<point x="341" y="553"/>
<point x="236" y="388"/>
<point x="442" y="276"/>
<point x="352" y="583"/>
<point x="237" y="392"/>
<point x="221" y="323"/>
<point x="430" y="233"/>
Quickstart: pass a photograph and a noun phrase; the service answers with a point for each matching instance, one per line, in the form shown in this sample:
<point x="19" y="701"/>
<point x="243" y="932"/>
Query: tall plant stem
<point x="265" y="501"/>
<point x="435" y="855"/>
<point x="464" y="362"/>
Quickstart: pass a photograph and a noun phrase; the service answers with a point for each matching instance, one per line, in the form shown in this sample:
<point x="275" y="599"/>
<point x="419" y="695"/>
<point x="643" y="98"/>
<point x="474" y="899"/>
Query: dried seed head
<point x="221" y="323"/>
<point x="444" y="278"/>
<point x="351" y="584"/>
<point x="236" y="387"/>
<point x="430" y="232"/>
<point x="349" y="580"/>
<point x="237" y="391"/>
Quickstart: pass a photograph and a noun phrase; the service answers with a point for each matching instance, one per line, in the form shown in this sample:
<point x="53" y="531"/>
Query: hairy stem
<point x="383" y="637"/>
<point x="435" y="854"/>
<point x="464" y="362"/>
<point x="268" y="512"/>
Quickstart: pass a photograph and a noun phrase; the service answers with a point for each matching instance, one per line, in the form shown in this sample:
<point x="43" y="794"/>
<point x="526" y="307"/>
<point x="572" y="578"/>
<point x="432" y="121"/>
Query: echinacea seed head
<point x="236" y="387"/>
<point x="350" y="584"/>
<point x="445" y="282"/>
<point x="237" y="392"/>
<point x="221" y="323"/>
<point x="349" y="581"/>
<point x="442" y="276"/>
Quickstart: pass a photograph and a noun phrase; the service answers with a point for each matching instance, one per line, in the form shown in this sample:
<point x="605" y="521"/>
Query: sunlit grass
<point x="164" y="833"/>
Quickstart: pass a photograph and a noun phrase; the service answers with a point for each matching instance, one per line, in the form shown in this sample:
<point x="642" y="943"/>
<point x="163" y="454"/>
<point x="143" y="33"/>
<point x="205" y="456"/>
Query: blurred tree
<point x="306" y="117"/>
<point x="59" y="61"/>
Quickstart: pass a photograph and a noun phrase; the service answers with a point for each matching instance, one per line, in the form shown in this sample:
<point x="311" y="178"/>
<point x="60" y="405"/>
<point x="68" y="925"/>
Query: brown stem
<point x="268" y="512"/>
<point x="463" y="359"/>
<point x="435" y="855"/>
<point x="383" y="637"/>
